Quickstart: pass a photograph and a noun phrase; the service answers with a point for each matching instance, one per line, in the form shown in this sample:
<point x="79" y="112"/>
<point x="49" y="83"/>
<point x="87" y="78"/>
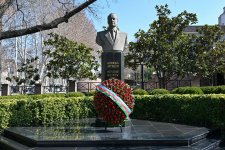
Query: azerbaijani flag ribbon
<point x="114" y="97"/>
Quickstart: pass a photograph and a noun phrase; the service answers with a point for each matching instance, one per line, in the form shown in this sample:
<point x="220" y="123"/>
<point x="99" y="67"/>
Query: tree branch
<point x="50" y="25"/>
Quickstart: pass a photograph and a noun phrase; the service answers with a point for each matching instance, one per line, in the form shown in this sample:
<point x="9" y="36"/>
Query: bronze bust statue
<point x="112" y="39"/>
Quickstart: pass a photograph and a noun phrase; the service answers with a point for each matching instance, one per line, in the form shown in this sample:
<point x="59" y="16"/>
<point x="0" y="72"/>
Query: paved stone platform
<point x="81" y="134"/>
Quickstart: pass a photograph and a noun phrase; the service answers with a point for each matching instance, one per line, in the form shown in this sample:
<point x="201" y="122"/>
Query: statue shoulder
<point x="100" y="37"/>
<point x="123" y="33"/>
<point x="101" y="32"/>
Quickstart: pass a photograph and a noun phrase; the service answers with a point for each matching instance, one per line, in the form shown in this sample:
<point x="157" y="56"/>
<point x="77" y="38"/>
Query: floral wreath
<point x="114" y="101"/>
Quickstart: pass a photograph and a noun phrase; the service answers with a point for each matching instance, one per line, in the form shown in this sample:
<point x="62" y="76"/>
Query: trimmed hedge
<point x="200" y="110"/>
<point x="159" y="91"/>
<point x="187" y="90"/>
<point x="91" y="93"/>
<point x="140" y="92"/>
<point x="75" y="94"/>
<point x="44" y="112"/>
<point x="14" y="97"/>
<point x="39" y="96"/>
<point x="213" y="89"/>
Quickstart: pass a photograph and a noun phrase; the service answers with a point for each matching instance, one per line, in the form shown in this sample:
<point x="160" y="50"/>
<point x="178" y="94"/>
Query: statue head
<point x="112" y="20"/>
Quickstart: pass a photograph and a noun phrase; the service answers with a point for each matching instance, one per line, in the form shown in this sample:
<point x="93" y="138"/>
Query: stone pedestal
<point x="113" y="65"/>
<point x="38" y="89"/>
<point x="71" y="87"/>
<point x="5" y="89"/>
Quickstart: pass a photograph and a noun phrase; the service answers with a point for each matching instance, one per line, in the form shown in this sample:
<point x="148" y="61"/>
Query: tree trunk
<point x="161" y="79"/>
<point x="162" y="83"/>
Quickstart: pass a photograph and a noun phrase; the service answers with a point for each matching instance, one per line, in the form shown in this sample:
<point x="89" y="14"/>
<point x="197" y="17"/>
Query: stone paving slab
<point x="82" y="133"/>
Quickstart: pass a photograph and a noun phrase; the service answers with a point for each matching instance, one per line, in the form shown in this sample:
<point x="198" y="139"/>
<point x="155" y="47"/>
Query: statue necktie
<point x="113" y="33"/>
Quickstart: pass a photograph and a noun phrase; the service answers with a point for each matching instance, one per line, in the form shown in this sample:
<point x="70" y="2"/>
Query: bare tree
<point x="45" y="26"/>
<point x="79" y="29"/>
<point x="23" y="15"/>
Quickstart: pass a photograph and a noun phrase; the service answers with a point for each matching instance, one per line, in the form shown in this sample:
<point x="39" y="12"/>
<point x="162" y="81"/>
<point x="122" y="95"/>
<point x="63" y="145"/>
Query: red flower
<point x="108" y="109"/>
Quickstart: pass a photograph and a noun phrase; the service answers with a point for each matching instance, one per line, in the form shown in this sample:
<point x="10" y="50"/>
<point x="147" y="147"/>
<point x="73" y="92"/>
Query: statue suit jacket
<point x="104" y="39"/>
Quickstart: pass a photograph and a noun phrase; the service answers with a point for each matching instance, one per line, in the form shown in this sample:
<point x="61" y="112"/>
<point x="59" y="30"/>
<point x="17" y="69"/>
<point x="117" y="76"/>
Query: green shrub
<point x="199" y="110"/>
<point x="33" y="96"/>
<point x="44" y="112"/>
<point x="213" y="89"/>
<point x="40" y="96"/>
<point x="159" y="91"/>
<point x="75" y="94"/>
<point x="91" y="93"/>
<point x="187" y="90"/>
<point x="21" y="115"/>
<point x="5" y="113"/>
<point x="140" y="92"/>
<point x="222" y="89"/>
<point x="13" y="97"/>
<point x="208" y="90"/>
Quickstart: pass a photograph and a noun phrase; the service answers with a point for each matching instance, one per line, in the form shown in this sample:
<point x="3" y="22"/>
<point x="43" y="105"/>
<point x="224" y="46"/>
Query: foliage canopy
<point x="68" y="59"/>
<point x="172" y="52"/>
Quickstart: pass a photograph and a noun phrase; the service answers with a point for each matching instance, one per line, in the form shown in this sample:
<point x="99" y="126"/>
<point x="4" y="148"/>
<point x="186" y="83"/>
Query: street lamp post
<point x="142" y="75"/>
